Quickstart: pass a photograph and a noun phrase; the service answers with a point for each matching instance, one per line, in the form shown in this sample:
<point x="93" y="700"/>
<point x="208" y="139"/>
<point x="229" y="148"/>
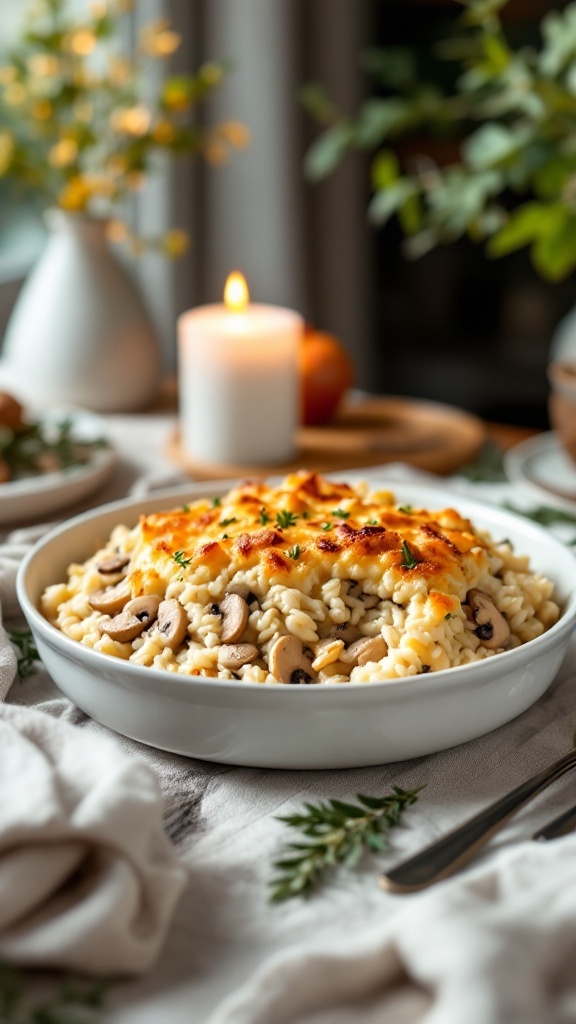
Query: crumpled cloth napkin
<point x="88" y="879"/>
<point x="496" y="947"/>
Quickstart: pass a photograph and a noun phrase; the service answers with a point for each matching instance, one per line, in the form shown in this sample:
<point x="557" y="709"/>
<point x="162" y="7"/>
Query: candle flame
<point x="236" y="295"/>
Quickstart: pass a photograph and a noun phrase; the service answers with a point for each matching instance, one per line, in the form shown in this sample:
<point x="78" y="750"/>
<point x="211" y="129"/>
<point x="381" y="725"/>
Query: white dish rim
<point x="408" y="686"/>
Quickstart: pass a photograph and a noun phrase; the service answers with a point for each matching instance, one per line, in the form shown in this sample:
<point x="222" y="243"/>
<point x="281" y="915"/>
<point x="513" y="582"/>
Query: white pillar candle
<point x="238" y="379"/>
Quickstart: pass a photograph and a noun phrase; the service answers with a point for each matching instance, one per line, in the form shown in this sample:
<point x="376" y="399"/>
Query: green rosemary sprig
<point x="28" y="655"/>
<point x="546" y="515"/>
<point x="408" y="560"/>
<point x="75" y="1002"/>
<point x="41" y="448"/>
<point x="178" y="557"/>
<point x="338" y="834"/>
<point x="285" y="518"/>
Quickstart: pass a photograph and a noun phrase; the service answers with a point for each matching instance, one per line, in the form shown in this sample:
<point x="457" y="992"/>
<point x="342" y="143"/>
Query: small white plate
<point x="35" y="497"/>
<point x="542" y="468"/>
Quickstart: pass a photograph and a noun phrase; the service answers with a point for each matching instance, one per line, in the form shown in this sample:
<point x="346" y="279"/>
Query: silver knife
<point x="560" y="826"/>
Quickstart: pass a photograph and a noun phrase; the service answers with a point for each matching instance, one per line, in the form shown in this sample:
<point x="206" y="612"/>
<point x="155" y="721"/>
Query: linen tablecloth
<point x="497" y="943"/>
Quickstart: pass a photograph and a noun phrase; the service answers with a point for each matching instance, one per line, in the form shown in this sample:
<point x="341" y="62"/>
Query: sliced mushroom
<point x="172" y="622"/>
<point x="137" y="616"/>
<point x="233" y="656"/>
<point x="368" y="648"/>
<point x="288" y="663"/>
<point x="327" y="651"/>
<point x="112" y="565"/>
<point x="110" y="600"/>
<point x="234" y="612"/>
<point x="346" y="632"/>
<point x="492" y="629"/>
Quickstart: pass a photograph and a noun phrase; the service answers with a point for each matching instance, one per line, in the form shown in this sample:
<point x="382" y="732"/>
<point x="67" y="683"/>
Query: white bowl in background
<point x="329" y="726"/>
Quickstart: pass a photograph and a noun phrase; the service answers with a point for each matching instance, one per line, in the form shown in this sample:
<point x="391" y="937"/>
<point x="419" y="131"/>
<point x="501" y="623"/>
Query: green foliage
<point x="338" y="834"/>
<point x="27" y="652"/>
<point x="513" y="183"/>
<point x="38" y="447"/>
<point x="545" y="515"/>
<point x="75" y="1002"/>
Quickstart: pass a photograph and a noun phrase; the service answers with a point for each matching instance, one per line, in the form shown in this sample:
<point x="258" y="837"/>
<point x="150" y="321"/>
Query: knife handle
<point x="444" y="856"/>
<point x="559" y="826"/>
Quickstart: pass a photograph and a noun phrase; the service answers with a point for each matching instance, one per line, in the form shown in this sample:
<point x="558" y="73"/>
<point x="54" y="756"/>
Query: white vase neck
<point x="89" y="228"/>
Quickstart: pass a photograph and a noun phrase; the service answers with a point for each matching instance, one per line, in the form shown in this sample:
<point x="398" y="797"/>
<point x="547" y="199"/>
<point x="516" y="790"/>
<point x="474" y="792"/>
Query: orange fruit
<point x="327" y="371"/>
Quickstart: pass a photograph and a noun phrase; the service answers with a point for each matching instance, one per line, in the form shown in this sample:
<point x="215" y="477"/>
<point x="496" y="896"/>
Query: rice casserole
<point x="309" y="581"/>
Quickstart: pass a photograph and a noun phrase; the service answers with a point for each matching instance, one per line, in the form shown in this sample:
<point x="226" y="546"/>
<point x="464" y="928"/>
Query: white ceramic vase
<point x="79" y="332"/>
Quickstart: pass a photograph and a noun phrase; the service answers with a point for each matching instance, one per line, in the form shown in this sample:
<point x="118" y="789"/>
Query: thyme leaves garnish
<point x="28" y="655"/>
<point x="340" y="513"/>
<point x="226" y="522"/>
<point x="327" y="526"/>
<point x="42" y="448"/>
<point x="264" y="517"/>
<point x="545" y="515"/>
<point x="178" y="556"/>
<point x="75" y="1002"/>
<point x="337" y="834"/>
<point x="285" y="518"/>
<point x="294" y="552"/>
<point x="408" y="560"/>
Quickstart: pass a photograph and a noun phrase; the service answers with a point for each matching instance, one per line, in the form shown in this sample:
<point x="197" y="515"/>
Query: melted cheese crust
<point x="308" y="526"/>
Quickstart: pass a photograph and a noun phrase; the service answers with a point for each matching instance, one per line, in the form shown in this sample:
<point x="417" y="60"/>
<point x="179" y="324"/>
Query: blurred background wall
<point x="452" y="326"/>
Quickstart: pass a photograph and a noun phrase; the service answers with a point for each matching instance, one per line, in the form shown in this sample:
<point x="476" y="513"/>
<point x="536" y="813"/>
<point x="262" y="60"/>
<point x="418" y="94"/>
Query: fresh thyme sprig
<point x="340" y="513"/>
<point x="41" y="448"/>
<point x="74" y="1003"/>
<point x="285" y="518"/>
<point x="408" y="560"/>
<point x="546" y="515"/>
<point x="23" y="640"/>
<point x="178" y="556"/>
<point x="339" y="833"/>
<point x="294" y="552"/>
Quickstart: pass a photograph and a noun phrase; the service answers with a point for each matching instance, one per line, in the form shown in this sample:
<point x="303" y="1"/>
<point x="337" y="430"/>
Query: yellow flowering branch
<point x="80" y="124"/>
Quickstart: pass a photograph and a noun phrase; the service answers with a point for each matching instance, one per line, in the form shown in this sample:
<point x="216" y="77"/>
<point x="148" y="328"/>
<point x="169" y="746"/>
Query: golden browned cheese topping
<point x="304" y="526"/>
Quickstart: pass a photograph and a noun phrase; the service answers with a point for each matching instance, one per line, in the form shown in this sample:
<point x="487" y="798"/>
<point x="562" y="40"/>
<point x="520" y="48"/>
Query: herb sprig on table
<point x="75" y="1002"/>
<point x="337" y="835"/>
<point x="23" y="641"/>
<point x="545" y="515"/>
<point x="40" y="448"/>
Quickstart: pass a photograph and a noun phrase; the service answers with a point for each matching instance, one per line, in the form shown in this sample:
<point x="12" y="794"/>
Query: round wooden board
<point x="432" y="436"/>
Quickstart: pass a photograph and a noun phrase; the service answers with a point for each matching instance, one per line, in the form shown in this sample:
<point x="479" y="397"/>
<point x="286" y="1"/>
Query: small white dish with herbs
<point x="50" y="460"/>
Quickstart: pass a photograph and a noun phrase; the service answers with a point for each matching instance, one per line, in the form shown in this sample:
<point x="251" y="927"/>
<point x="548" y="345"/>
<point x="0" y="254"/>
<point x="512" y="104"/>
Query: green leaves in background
<point x="513" y="113"/>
